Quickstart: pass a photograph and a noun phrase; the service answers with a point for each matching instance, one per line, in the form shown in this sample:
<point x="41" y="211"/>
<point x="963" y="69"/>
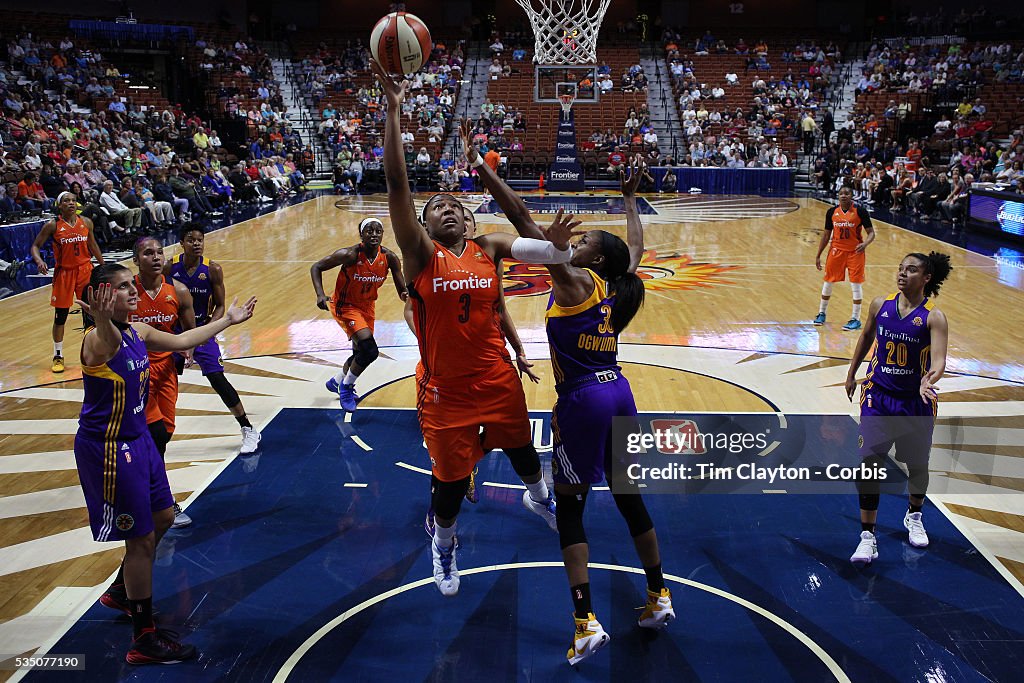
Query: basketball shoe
<point x="914" y="524"/>
<point x="853" y="324"/>
<point x="819" y="319"/>
<point x="58" y="364"/>
<point x="250" y="440"/>
<point x="589" y="637"/>
<point x="446" y="572"/>
<point x="867" y="549"/>
<point x="180" y="518"/>
<point x="658" y="611"/>
<point x="544" y="509"/>
<point x="158" y="646"/>
<point x="332" y="385"/>
<point x="347" y="396"/>
<point x="116" y="598"/>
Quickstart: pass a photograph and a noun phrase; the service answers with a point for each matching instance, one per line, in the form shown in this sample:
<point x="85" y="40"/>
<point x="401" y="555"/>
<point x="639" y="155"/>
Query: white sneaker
<point x="918" y="536"/>
<point x="446" y="573"/>
<point x="250" y="440"/>
<point x="545" y="510"/>
<point x="658" y="611"/>
<point x="180" y="518"/>
<point x="867" y="549"/>
<point x="589" y="637"/>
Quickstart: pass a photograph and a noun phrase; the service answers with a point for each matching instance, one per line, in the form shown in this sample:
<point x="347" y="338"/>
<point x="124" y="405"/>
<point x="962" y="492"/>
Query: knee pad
<point x="224" y="389"/>
<point x="858" y="291"/>
<point x="60" y="315"/>
<point x="633" y="510"/>
<point x="569" y="515"/>
<point x="869" y="489"/>
<point x="446" y="496"/>
<point x="826" y="289"/>
<point x="365" y="352"/>
<point x="524" y="459"/>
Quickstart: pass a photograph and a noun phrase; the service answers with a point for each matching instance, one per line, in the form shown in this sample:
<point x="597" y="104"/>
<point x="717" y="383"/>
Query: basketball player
<point x="121" y="473"/>
<point x="166" y="305"/>
<point x="843" y="226"/>
<point x="364" y="267"/>
<point x="593" y="299"/>
<point x="468" y="380"/>
<point x="73" y="245"/>
<point x="204" y="280"/>
<point x="898" y="400"/>
<point x="511" y="334"/>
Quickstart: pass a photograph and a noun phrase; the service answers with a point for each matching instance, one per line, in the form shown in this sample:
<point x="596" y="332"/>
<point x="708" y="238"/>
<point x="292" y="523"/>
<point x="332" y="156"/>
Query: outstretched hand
<point x="637" y="169"/>
<point x="394" y="91"/>
<point x="101" y="302"/>
<point x="468" y="148"/>
<point x="561" y="230"/>
<point x="239" y="314"/>
<point x="929" y="392"/>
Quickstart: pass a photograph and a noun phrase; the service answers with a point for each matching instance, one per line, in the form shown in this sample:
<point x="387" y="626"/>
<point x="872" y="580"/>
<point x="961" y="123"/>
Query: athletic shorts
<point x="163" y="392"/>
<point x="69" y="283"/>
<point x="352" y="319"/>
<point x="124" y="483"/>
<point x="904" y="421"/>
<point x="207" y="356"/>
<point x="581" y="429"/>
<point x="451" y="418"/>
<point x="840" y="262"/>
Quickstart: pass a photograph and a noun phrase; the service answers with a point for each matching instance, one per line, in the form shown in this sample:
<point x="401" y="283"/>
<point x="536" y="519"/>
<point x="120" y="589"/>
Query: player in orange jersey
<point x="364" y="267"/>
<point x="843" y="226"/>
<point x="163" y="303"/>
<point x="468" y="379"/>
<point x="73" y="246"/>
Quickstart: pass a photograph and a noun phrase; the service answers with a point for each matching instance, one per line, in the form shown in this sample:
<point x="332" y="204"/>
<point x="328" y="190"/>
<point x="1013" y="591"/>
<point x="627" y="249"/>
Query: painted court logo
<point x="659" y="273"/>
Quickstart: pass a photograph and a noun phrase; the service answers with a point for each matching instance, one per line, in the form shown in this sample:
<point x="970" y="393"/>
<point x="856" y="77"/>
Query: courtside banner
<point x="759" y="453"/>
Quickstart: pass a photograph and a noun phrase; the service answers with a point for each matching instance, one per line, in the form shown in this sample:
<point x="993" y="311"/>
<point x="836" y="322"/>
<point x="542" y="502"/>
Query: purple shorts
<point x="887" y="419"/>
<point x="121" y="502"/>
<point x="207" y="356"/>
<point x="581" y="430"/>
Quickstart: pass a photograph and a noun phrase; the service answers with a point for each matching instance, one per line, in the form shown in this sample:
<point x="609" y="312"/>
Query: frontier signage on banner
<point x="566" y="174"/>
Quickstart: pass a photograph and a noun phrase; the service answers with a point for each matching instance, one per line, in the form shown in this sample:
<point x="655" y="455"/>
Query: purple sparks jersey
<point x="581" y="337"/>
<point x="199" y="285"/>
<point x="902" y="348"/>
<point x="114" y="407"/>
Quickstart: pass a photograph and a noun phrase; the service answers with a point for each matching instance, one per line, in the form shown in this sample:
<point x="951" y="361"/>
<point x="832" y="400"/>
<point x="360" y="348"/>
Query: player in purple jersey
<point x="122" y="474"/>
<point x="593" y="299"/>
<point x="899" y="398"/>
<point x="205" y="280"/>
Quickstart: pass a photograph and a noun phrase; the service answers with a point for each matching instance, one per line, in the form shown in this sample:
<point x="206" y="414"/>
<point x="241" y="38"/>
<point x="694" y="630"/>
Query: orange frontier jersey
<point x="357" y="284"/>
<point x="455" y="301"/>
<point x="846" y="227"/>
<point x="71" y="244"/>
<point x="160" y="311"/>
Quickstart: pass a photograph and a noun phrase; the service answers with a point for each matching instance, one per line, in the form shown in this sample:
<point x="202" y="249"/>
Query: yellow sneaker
<point x="658" y="612"/>
<point x="588" y="639"/>
<point x="58" y="364"/>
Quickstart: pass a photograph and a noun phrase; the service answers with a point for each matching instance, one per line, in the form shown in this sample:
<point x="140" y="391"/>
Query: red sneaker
<point x="158" y="646"/>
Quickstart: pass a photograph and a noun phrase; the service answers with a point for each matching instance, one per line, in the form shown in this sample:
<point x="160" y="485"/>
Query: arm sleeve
<point x="828" y="218"/>
<point x="865" y="219"/>
<point x="529" y="250"/>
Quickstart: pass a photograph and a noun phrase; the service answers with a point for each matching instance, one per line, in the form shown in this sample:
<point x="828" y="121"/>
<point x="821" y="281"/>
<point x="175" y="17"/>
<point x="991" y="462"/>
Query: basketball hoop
<point x="566" y="101"/>
<point x="565" y="31"/>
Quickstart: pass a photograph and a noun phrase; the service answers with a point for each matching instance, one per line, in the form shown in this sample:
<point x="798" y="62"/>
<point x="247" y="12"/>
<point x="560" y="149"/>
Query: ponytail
<point x="626" y="285"/>
<point x="938" y="266"/>
<point x="629" y="297"/>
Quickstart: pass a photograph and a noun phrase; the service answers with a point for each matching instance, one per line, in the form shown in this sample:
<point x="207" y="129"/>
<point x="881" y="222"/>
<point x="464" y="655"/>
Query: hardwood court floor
<point x="731" y="290"/>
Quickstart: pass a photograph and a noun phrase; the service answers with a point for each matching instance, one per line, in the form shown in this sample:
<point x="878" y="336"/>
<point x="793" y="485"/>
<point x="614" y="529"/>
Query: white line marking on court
<point x="601" y="488"/>
<point x="348" y="417"/>
<point x="504" y="486"/>
<point x="289" y="665"/>
<point x="351" y="485"/>
<point x="412" y="467"/>
<point x="774" y="491"/>
<point x="362" y="444"/>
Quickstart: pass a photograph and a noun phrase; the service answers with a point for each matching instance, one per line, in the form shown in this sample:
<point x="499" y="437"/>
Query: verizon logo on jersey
<point x="471" y="282"/>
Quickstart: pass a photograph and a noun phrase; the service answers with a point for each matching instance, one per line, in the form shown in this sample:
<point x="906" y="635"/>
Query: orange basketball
<point x="400" y="43"/>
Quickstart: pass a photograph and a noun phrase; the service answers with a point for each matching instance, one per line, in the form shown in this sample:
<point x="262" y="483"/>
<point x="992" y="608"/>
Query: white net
<point x="565" y="31"/>
<point x="566" y="102"/>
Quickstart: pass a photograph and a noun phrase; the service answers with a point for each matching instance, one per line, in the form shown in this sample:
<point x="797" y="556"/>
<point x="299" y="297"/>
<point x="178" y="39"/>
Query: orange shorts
<point x="839" y="262"/>
<point x="352" y="319"/>
<point x="69" y="283"/>
<point x="451" y="418"/>
<point x="163" y="392"/>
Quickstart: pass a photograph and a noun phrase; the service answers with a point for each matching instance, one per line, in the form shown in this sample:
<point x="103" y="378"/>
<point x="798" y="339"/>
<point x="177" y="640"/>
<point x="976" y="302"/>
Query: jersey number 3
<point x="464" y="302"/>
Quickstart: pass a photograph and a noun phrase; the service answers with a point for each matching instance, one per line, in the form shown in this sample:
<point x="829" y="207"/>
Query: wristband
<point x="478" y="163"/>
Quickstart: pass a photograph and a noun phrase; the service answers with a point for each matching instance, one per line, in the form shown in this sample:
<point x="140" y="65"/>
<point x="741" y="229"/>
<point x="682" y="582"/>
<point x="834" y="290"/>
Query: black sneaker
<point x="158" y="646"/>
<point x="116" y="598"/>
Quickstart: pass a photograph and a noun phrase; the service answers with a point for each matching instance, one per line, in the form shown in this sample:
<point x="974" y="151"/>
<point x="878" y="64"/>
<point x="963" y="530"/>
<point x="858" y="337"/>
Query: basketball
<point x="400" y="43"/>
